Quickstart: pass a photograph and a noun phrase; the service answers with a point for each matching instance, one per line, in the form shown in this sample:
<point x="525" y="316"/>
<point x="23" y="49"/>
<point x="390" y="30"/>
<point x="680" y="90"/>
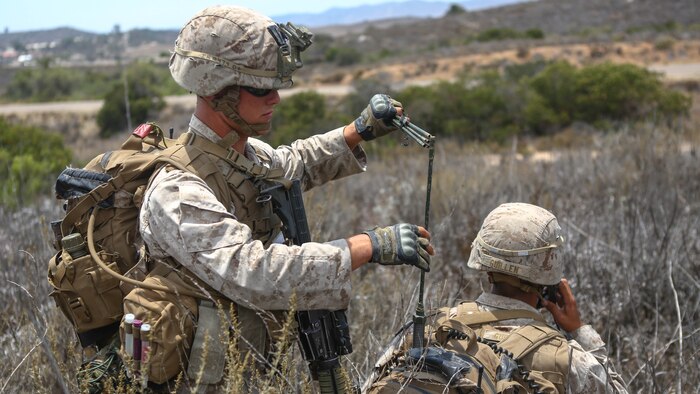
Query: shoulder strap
<point x="231" y="156"/>
<point x="193" y="160"/>
<point x="469" y="314"/>
<point x="528" y="338"/>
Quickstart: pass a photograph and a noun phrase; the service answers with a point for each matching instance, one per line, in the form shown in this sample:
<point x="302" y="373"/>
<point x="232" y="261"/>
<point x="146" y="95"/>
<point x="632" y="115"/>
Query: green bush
<point x="459" y="111"/>
<point x="497" y="34"/>
<point x="552" y="100"/>
<point x="616" y="92"/>
<point x="535" y="34"/>
<point x="540" y="99"/>
<point x="30" y="160"/>
<point x="300" y="116"/>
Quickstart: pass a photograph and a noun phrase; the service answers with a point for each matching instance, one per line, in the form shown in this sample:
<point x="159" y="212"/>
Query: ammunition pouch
<point x="87" y="295"/>
<point x="173" y="318"/>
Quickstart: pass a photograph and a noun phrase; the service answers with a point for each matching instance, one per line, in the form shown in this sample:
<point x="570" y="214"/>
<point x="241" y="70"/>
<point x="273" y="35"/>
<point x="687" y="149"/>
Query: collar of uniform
<point x="201" y="129"/>
<point x="500" y="302"/>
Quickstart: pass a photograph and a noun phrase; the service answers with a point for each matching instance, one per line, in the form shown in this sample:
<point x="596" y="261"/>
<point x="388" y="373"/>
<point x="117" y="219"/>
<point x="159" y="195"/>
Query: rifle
<point x="324" y="335"/>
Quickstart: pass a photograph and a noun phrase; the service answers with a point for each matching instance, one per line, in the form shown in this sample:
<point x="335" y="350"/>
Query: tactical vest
<point x="116" y="182"/>
<point x="465" y="351"/>
<point x="543" y="350"/>
<point x="240" y="190"/>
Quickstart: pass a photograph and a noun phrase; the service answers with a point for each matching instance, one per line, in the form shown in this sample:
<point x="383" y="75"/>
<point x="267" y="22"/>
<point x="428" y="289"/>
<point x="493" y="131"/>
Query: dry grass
<point x="627" y="203"/>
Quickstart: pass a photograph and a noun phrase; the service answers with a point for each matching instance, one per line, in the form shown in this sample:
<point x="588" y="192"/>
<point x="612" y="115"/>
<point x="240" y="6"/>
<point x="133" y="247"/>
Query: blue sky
<point x="101" y="16"/>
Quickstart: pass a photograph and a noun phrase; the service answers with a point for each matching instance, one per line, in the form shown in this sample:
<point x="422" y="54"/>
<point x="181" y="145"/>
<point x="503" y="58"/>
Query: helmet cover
<point x="223" y="46"/>
<point x="520" y="240"/>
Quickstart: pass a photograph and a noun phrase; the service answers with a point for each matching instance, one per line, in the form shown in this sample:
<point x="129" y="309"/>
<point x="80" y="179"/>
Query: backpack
<point x="102" y="203"/>
<point x="464" y="354"/>
<point x="101" y="272"/>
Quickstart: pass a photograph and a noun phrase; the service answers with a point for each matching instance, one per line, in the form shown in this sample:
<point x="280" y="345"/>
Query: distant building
<point x="25" y="59"/>
<point x="8" y="55"/>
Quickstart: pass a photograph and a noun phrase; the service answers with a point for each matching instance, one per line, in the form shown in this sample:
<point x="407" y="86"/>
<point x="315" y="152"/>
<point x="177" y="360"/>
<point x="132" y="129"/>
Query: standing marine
<point x="209" y="215"/>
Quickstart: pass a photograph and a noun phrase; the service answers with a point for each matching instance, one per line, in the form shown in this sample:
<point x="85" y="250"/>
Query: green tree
<point x="145" y="99"/>
<point x="30" y="159"/>
<point x="455" y="9"/>
<point x="552" y="102"/>
<point x="621" y="92"/>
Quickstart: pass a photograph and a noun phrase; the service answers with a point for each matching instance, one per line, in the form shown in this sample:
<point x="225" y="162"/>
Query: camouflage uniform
<point x="181" y="218"/>
<point x="233" y="248"/>
<point x="510" y="241"/>
<point x="220" y="49"/>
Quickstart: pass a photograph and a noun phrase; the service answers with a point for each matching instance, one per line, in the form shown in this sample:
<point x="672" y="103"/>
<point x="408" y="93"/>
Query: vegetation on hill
<point x="30" y="160"/>
<point x="533" y="99"/>
<point x="47" y="82"/>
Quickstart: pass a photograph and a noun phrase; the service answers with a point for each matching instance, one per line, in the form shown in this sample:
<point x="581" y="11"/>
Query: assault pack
<point x="100" y="270"/>
<point x="103" y="199"/>
<point x="466" y="354"/>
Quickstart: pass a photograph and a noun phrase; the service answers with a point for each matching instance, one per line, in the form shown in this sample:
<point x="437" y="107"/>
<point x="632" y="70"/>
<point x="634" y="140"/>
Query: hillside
<point x="431" y="33"/>
<point x="397" y="53"/>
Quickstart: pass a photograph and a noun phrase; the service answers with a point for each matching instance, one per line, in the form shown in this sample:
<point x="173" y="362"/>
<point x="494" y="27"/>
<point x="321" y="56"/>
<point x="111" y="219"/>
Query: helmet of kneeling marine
<point x="519" y="240"/>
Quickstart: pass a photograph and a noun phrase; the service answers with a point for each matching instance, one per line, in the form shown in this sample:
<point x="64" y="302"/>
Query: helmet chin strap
<point x="226" y="102"/>
<point x="497" y="277"/>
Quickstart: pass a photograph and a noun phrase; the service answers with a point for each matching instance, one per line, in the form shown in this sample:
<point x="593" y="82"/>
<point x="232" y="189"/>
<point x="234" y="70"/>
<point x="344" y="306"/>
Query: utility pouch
<point x="172" y="317"/>
<point x="86" y="294"/>
<point x="208" y="354"/>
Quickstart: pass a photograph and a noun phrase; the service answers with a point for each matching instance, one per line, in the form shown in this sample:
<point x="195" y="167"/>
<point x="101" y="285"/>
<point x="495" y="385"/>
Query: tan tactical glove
<point x="399" y="244"/>
<point x="375" y="120"/>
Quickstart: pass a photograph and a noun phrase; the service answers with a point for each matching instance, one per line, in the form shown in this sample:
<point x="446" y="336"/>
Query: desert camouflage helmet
<point x="223" y="46"/>
<point x="520" y="240"/>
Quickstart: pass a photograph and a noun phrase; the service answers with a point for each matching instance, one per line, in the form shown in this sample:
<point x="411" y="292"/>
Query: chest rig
<point x="236" y="182"/>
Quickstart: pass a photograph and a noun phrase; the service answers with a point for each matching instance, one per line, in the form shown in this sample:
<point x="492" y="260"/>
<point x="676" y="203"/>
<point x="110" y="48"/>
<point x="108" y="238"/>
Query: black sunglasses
<point x="257" y="92"/>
